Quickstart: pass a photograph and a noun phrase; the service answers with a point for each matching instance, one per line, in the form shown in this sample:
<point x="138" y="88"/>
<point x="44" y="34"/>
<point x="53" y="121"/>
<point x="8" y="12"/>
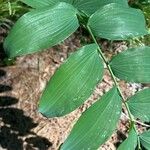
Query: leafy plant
<point x="10" y="11"/>
<point x="144" y="5"/>
<point x="51" y="22"/>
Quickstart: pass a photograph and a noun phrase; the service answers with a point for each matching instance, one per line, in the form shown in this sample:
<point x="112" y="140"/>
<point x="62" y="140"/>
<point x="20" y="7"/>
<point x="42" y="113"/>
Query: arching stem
<point x="132" y="120"/>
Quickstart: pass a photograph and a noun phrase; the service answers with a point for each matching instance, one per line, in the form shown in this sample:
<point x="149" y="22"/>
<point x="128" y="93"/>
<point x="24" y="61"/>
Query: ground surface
<point x="22" y="126"/>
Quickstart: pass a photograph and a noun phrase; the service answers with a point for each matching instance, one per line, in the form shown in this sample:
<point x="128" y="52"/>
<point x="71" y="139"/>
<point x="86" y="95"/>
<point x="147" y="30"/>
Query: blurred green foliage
<point x="146" y="10"/>
<point x="144" y="5"/>
<point x="10" y="11"/>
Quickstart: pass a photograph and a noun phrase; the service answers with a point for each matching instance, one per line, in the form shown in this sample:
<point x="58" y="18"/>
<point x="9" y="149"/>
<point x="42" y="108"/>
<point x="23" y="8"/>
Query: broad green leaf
<point x="91" y="6"/>
<point x="117" y="22"/>
<point x="145" y="139"/>
<point x="96" y="124"/>
<point x="139" y="105"/>
<point x="133" y="65"/>
<point x="72" y="83"/>
<point x="131" y="142"/>
<point x="40" y="3"/>
<point x="87" y="6"/>
<point x="40" y="29"/>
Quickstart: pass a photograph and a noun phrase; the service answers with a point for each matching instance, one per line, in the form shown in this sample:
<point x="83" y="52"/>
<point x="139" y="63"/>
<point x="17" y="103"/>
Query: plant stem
<point x="132" y="122"/>
<point x="9" y="8"/>
<point x="138" y="143"/>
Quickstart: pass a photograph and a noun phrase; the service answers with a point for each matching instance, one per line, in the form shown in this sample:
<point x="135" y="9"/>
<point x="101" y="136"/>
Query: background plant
<point x="10" y="11"/>
<point x="53" y="21"/>
<point x="144" y="5"/>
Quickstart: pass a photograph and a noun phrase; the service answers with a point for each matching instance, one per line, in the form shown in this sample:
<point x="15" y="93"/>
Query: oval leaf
<point x="131" y="142"/>
<point x="117" y="22"/>
<point x="87" y="6"/>
<point x="41" y="29"/>
<point x="132" y="65"/>
<point x="91" y="6"/>
<point x="139" y="105"/>
<point x="72" y="83"/>
<point x="145" y="139"/>
<point x="96" y="124"/>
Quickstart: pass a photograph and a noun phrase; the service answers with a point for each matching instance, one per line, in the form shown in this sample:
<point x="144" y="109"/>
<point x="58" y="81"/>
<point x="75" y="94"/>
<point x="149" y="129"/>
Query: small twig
<point x="136" y="121"/>
<point x="10" y="8"/>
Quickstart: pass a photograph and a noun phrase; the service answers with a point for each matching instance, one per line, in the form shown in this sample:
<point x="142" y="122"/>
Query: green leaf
<point x="40" y="29"/>
<point x="139" y="105"/>
<point x="131" y="142"/>
<point x="87" y="6"/>
<point x="96" y="124"/>
<point x="145" y="139"/>
<point x="91" y="6"/>
<point x="40" y="3"/>
<point x="132" y="65"/>
<point x="117" y="22"/>
<point x="72" y="83"/>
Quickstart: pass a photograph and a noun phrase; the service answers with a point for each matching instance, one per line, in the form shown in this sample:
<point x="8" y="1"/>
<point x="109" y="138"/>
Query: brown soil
<point x="22" y="126"/>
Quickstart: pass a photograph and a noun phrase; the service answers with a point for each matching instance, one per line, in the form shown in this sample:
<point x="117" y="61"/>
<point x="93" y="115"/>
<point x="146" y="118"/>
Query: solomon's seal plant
<point x="52" y="21"/>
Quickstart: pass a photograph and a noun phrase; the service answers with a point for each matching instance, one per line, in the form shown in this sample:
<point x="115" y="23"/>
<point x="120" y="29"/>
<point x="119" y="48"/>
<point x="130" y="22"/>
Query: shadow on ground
<point x="15" y="127"/>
